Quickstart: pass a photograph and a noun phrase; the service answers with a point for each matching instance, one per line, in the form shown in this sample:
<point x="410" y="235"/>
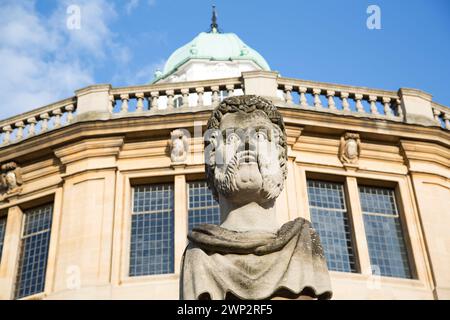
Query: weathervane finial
<point x="214" y="25"/>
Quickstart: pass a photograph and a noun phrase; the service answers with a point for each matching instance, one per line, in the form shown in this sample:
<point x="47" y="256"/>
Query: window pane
<point x="152" y="233"/>
<point x="34" y="251"/>
<point x="202" y="208"/>
<point x="388" y="255"/>
<point x="329" y="218"/>
<point x="2" y="234"/>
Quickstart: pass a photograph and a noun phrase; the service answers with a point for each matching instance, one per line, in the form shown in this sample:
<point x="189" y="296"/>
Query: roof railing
<point x="405" y="105"/>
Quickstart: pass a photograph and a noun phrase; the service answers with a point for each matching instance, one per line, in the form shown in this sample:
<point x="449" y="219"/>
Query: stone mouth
<point x="247" y="157"/>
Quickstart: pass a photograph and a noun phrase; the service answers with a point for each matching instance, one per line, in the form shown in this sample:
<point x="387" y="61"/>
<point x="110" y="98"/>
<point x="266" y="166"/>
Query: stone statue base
<point x="223" y="264"/>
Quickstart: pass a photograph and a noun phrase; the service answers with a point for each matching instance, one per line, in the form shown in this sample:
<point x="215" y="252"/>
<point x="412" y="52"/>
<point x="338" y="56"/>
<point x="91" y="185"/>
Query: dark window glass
<point x="387" y="250"/>
<point x="34" y="251"/>
<point x="152" y="230"/>
<point x="2" y="233"/>
<point x="202" y="208"/>
<point x="329" y="218"/>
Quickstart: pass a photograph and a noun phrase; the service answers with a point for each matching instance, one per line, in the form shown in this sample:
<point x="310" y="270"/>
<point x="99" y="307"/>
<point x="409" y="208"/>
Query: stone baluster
<point x="69" y="109"/>
<point x="373" y="104"/>
<point x="288" y="94"/>
<point x="437" y="114"/>
<point x="359" y="106"/>
<point x="7" y="137"/>
<point x="230" y="89"/>
<point x="112" y="103"/>
<point x="32" y="128"/>
<point x="331" y="103"/>
<point x="44" y="125"/>
<point x="447" y="120"/>
<point x="185" y="93"/>
<point x="399" y="108"/>
<point x="200" y="92"/>
<point x="140" y="102"/>
<point x="170" y="94"/>
<point x="303" y="101"/>
<point x="154" y="103"/>
<point x="215" y="99"/>
<point x="387" y="106"/>
<point x="19" y="134"/>
<point x="317" y="102"/>
<point x="57" y="120"/>
<point x="124" y="98"/>
<point x="345" y="104"/>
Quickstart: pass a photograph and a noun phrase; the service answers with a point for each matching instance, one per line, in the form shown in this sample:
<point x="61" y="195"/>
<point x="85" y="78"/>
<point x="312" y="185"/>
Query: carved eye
<point x="261" y="135"/>
<point x="233" y="138"/>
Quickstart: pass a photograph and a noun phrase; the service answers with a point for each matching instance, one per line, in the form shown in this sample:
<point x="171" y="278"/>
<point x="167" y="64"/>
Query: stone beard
<point x="249" y="256"/>
<point x="254" y="170"/>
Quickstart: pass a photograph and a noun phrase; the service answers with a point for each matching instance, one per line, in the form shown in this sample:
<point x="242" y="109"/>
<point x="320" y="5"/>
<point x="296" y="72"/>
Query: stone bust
<point x="10" y="178"/>
<point x="179" y="145"/>
<point x="249" y="256"/>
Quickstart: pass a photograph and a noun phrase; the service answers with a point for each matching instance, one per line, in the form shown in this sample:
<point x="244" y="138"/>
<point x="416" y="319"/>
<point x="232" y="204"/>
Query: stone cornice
<point x="326" y="120"/>
<point x="415" y="93"/>
<point x="93" y="88"/>
<point x="89" y="148"/>
<point x="294" y="118"/>
<point x="422" y="151"/>
<point x="293" y="133"/>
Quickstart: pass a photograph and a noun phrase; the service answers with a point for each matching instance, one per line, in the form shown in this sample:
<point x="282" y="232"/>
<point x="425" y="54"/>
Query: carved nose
<point x="249" y="144"/>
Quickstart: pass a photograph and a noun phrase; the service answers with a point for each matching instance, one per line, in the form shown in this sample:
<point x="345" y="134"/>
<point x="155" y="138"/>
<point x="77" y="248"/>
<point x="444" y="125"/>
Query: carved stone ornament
<point x="250" y="256"/>
<point x="350" y="148"/>
<point x="10" y="179"/>
<point x="179" y="145"/>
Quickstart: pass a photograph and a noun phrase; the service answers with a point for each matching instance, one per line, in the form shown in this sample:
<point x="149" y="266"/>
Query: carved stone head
<point x="246" y="150"/>
<point x="10" y="177"/>
<point x="179" y="145"/>
<point x="350" y="147"/>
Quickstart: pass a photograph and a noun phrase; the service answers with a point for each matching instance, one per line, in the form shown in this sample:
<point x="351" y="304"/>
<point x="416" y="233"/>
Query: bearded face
<point x="246" y="158"/>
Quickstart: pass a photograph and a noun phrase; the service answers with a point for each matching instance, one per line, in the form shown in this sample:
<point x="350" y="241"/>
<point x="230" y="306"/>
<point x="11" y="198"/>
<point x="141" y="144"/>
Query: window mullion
<point x="356" y="217"/>
<point x="11" y="246"/>
<point x="180" y="219"/>
<point x="303" y="193"/>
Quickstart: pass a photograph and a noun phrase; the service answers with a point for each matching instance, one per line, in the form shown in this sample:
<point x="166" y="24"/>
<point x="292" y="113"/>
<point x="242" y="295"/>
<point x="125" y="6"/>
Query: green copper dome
<point x="213" y="46"/>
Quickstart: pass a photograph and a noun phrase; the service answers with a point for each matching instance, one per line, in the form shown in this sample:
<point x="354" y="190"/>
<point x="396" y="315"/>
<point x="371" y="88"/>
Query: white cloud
<point x="131" y="5"/>
<point x="143" y="75"/>
<point x="42" y="61"/>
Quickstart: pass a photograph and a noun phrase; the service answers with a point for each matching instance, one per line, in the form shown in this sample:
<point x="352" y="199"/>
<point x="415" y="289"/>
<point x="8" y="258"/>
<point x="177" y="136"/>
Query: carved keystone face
<point x="247" y="158"/>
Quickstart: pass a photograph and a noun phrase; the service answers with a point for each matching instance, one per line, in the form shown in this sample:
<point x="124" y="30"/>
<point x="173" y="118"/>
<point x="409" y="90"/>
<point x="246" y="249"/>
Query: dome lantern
<point x="198" y="59"/>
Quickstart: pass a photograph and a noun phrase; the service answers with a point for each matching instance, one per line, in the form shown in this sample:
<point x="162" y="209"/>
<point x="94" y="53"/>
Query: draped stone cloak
<point x="254" y="265"/>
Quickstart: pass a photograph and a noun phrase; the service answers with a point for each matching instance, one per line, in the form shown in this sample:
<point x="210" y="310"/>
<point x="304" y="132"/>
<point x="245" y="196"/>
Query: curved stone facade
<point x="88" y="164"/>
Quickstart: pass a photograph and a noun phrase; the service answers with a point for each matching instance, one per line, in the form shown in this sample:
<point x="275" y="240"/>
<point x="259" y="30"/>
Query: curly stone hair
<point x="247" y="104"/>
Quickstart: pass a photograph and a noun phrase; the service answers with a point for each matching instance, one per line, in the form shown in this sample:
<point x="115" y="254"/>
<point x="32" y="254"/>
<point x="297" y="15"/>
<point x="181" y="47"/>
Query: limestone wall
<point x="88" y="169"/>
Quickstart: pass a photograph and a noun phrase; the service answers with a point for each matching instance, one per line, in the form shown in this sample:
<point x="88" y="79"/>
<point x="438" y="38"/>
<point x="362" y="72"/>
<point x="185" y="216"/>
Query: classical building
<point x="99" y="190"/>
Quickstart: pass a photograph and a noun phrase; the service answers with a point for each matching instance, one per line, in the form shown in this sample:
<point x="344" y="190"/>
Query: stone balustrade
<point x="441" y="115"/>
<point x="104" y="102"/>
<point x="170" y="96"/>
<point x="37" y="121"/>
<point x="341" y="99"/>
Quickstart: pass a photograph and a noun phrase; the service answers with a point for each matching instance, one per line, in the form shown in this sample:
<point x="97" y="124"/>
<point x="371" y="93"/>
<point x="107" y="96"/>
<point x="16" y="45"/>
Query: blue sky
<point x="124" y="42"/>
